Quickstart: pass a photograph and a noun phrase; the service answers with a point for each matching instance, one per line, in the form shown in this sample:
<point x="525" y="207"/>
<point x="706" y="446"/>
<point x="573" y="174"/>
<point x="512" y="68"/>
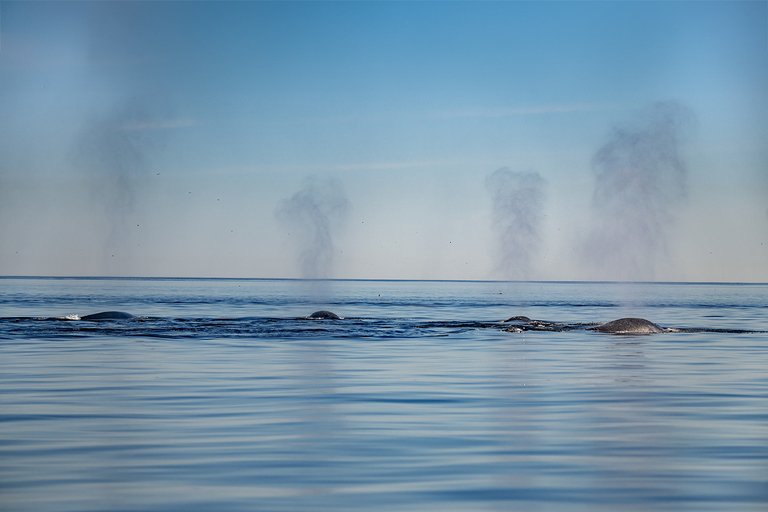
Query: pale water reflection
<point x="204" y="408"/>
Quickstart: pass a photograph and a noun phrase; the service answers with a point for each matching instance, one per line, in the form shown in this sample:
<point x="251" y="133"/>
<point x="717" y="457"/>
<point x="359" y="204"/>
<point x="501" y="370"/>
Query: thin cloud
<point x="321" y="167"/>
<point x="395" y="165"/>
<point x="157" y="124"/>
<point x="521" y="111"/>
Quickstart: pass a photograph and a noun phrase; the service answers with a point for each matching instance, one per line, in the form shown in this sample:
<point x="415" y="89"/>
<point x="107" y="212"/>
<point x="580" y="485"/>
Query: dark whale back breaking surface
<point x="376" y="326"/>
<point x="327" y="315"/>
<point x="524" y="323"/>
<point x="108" y="315"/>
<point x="629" y="326"/>
<point x="620" y="326"/>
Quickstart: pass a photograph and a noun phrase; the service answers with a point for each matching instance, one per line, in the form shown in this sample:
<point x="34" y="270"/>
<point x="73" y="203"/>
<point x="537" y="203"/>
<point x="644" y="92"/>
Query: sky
<point x="561" y="141"/>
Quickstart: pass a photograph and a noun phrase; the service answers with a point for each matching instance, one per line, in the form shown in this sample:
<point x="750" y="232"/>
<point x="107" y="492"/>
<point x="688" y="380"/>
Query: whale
<point x="519" y="319"/>
<point x="628" y="326"/>
<point x="324" y="315"/>
<point x="620" y="326"/>
<point x="108" y="315"/>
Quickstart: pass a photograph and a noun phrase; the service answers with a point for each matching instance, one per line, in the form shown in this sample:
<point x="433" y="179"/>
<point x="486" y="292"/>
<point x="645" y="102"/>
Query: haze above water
<point x="424" y="140"/>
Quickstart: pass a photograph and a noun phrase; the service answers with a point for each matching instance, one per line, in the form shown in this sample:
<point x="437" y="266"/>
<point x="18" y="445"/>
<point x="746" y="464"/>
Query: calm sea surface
<point x="223" y="396"/>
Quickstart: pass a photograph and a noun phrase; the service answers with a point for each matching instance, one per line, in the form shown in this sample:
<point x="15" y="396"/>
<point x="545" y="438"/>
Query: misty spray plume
<point x="640" y="182"/>
<point x="113" y="152"/>
<point x="517" y="201"/>
<point x="313" y="215"/>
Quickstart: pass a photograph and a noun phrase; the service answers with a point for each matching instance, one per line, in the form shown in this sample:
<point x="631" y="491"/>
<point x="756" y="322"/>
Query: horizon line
<point x="541" y="281"/>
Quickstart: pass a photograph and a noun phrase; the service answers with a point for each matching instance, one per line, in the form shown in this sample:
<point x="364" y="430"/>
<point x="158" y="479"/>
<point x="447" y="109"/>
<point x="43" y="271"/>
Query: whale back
<point x="319" y="315"/>
<point x="518" y="319"/>
<point x="108" y="315"/>
<point x="629" y="326"/>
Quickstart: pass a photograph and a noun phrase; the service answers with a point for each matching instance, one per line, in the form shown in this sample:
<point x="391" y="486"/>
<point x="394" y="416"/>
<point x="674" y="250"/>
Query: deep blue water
<point x="223" y="396"/>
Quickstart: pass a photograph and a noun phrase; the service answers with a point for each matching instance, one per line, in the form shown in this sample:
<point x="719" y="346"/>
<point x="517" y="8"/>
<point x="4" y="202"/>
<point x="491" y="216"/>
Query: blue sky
<point x="166" y="138"/>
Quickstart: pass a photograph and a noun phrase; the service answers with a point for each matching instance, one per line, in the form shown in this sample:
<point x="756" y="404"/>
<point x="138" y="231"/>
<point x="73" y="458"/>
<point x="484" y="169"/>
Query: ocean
<point x="222" y="395"/>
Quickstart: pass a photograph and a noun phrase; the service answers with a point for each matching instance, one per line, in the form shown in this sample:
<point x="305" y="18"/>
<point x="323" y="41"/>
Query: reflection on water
<point x="387" y="415"/>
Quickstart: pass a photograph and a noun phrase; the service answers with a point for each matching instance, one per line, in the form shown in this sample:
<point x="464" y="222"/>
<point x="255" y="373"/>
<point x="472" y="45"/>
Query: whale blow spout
<point x="108" y="315"/>
<point x="629" y="326"/>
<point x="327" y="315"/>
